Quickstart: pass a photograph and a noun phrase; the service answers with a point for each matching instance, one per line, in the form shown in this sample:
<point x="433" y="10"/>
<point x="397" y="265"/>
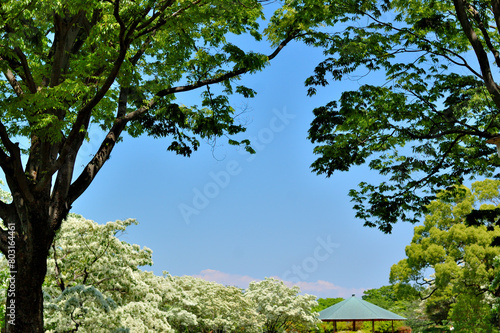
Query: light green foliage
<point x="282" y="307"/>
<point x="324" y="303"/>
<point x="453" y="259"/>
<point x="427" y="102"/>
<point x="142" y="51"/>
<point x="393" y="298"/>
<point x="472" y="311"/>
<point x="152" y="44"/>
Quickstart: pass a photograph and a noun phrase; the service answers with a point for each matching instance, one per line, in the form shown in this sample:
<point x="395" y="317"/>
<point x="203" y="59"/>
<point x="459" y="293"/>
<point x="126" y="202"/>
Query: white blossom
<point x="282" y="307"/>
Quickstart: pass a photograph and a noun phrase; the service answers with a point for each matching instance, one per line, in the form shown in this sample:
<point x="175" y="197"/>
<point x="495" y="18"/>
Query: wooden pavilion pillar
<point x="373" y="326"/>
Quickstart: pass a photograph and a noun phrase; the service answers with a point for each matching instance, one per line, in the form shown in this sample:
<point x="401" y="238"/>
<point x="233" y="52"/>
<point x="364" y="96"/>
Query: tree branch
<point x="464" y="62"/>
<point x="437" y="167"/>
<point x="15" y="168"/>
<point x="153" y="17"/>
<point x="484" y="32"/>
<point x="226" y="76"/>
<point x="88" y="174"/>
<point x="9" y="75"/>
<point x="66" y="33"/>
<point x="4" y="210"/>
<point x="477" y="46"/>
<point x="76" y="135"/>
<point x="4" y="241"/>
<point x="163" y="21"/>
<point x="495" y="7"/>
<point x="30" y="82"/>
<point x="59" y="279"/>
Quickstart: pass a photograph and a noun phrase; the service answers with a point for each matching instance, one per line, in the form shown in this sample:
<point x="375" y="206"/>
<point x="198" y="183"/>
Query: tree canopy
<point x="427" y="104"/>
<point x="453" y="264"/>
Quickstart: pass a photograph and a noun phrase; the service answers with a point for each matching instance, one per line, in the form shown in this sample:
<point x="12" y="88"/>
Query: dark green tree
<point x="324" y="303"/>
<point x="385" y="297"/>
<point x="426" y="114"/>
<point x="119" y="64"/>
<point x="402" y="299"/>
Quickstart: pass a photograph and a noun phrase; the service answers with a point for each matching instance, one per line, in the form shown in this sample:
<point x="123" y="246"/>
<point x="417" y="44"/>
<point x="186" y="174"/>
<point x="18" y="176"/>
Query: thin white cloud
<point x="318" y="288"/>
<point x="241" y="281"/>
<point x="321" y="288"/>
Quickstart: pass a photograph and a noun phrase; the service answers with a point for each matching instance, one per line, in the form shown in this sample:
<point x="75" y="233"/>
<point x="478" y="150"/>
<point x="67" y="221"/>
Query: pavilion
<point x="355" y="309"/>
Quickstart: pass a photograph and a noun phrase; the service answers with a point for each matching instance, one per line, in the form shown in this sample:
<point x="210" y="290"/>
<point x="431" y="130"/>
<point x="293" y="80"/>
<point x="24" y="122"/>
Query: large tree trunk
<point x="29" y="240"/>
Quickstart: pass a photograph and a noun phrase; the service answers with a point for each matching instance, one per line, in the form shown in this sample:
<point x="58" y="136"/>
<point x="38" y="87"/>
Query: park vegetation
<point x="450" y="278"/>
<point x="97" y="283"/>
<point x="427" y="122"/>
<point x="452" y="263"/>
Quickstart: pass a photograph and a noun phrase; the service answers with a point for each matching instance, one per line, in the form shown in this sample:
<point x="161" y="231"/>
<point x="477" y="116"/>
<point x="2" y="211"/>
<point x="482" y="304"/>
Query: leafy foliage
<point x="431" y="103"/>
<point x="454" y="262"/>
<point x="401" y="299"/>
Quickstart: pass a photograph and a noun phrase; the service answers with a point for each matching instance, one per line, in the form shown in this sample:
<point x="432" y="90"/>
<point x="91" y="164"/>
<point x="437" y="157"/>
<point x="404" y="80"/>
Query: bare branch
<point x="15" y="169"/>
<point x="9" y="75"/>
<point x="94" y="166"/>
<point x="30" y="82"/>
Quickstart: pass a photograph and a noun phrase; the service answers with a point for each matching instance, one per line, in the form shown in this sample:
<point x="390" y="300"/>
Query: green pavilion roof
<point x="356" y="309"/>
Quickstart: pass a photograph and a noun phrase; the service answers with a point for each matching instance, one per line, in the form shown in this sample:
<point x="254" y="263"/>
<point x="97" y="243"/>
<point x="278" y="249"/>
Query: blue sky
<point x="231" y="217"/>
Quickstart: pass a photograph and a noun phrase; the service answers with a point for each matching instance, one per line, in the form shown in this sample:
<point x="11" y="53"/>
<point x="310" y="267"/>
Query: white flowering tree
<point x="215" y="308"/>
<point x="95" y="284"/>
<point x="282" y="307"/>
